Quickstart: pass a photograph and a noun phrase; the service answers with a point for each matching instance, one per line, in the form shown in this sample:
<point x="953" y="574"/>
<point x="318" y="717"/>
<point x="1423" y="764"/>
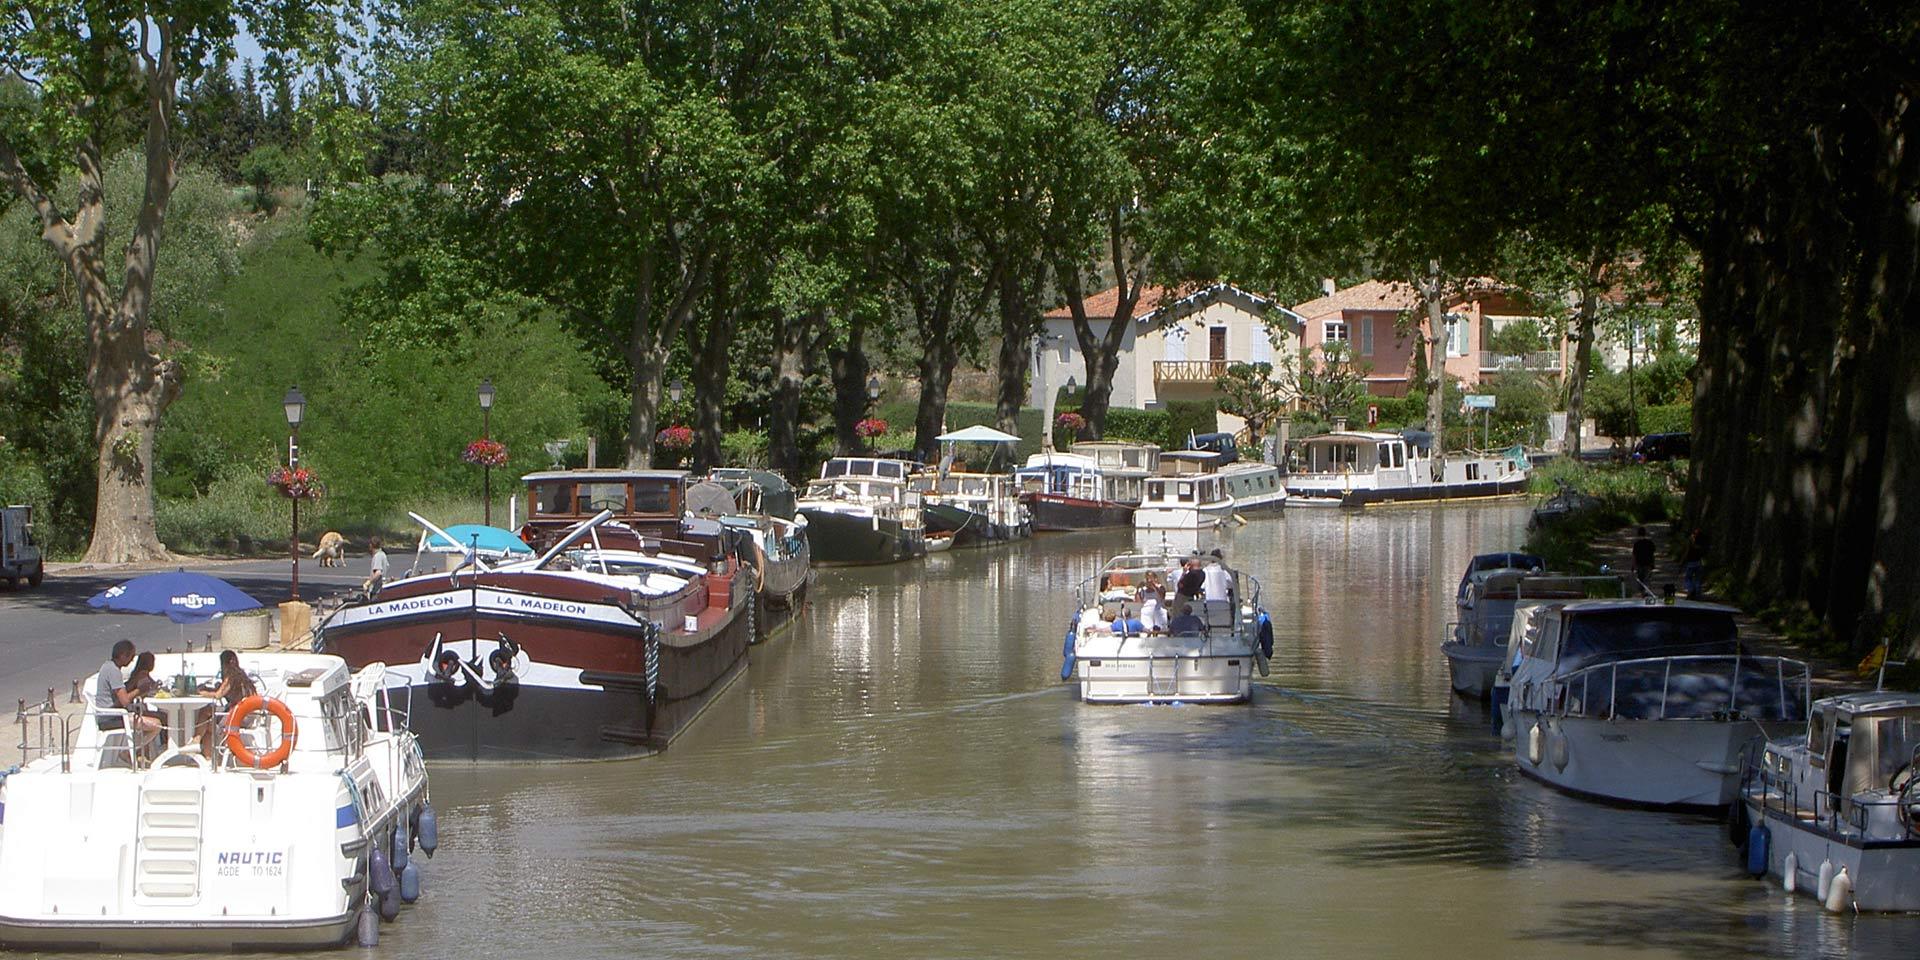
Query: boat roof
<point x="1369" y="435"/>
<point x="1077" y="461"/>
<point x="1118" y="444"/>
<point x="977" y="434"/>
<point x="1871" y="702"/>
<point x="1644" y="606"/>
<point x="605" y="473"/>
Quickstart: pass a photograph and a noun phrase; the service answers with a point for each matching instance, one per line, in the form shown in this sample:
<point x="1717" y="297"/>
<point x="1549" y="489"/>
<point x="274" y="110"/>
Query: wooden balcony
<point x="1189" y="371"/>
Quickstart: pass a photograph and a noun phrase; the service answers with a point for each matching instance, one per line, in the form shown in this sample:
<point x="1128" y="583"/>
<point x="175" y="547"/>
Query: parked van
<point x="19" y="557"/>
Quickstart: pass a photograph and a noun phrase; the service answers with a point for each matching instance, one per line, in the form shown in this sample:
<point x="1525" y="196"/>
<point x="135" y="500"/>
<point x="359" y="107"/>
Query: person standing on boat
<point x="1193" y="582"/>
<point x="1217" y="582"/>
<point x="376" y="568"/>
<point x="1643" y="558"/>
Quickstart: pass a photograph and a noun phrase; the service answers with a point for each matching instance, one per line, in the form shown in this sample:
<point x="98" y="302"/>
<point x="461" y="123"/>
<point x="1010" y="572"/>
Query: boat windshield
<point x="1897" y="739"/>
<point x="1631" y="632"/>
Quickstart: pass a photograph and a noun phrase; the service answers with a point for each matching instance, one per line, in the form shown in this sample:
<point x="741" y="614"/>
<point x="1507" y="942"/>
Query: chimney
<point x="1328" y="287"/>
<point x="1339" y="424"/>
<point x="593" y="452"/>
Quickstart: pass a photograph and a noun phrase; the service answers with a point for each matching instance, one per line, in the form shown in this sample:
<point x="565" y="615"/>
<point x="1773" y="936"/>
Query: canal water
<point x="902" y="775"/>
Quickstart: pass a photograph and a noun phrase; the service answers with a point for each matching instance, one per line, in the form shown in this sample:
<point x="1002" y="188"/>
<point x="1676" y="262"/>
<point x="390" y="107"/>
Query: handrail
<point x="1587" y="706"/>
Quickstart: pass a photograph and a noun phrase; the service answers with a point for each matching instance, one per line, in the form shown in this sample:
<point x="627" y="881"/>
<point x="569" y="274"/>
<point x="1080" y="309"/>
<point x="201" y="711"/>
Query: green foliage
<point x="1663" y="383"/>
<point x="266" y="168"/>
<point x="1248" y="391"/>
<point x="1626" y="494"/>
<point x="1519" y="338"/>
<point x="1333" y="384"/>
<point x="1139" y="426"/>
<point x="1666" y="418"/>
<point x="1188" y="417"/>
<point x="744" y="448"/>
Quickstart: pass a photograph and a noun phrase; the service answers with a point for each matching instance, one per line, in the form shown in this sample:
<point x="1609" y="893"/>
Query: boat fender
<point x="413" y="821"/>
<point x="1558" y="748"/>
<point x="368" y="926"/>
<point x="1266" y="635"/>
<point x="1790" y="873"/>
<point x="429" y="829"/>
<point x="410" y="882"/>
<point x="401" y="844"/>
<point x="445" y="665"/>
<point x="1499" y="698"/>
<point x="1737" y="825"/>
<point x="1066" y="656"/>
<point x="390" y="904"/>
<point x="1825" y="885"/>
<point x="1840" y="894"/>
<point x="1759" y="844"/>
<point x="380" y="870"/>
<point x="1534" y="738"/>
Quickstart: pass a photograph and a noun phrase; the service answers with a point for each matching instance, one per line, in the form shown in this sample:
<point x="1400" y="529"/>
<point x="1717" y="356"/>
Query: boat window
<point x="1399" y="454"/>
<point x="1473" y="471"/>
<point x="1897" y="738"/>
<point x="889" y="470"/>
<point x="834" y="468"/>
<point x="653" y="497"/>
<point x="1186" y="493"/>
<point x="1157" y="490"/>
<point x="1131" y="458"/>
<point x="1619" y="634"/>
<point x="552" y="498"/>
<point x="1817" y="736"/>
<point x="595" y="497"/>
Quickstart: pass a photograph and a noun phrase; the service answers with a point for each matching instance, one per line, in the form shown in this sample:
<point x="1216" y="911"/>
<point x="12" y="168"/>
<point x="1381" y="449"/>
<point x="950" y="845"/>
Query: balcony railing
<point x="1541" y="360"/>
<point x="1189" y="371"/>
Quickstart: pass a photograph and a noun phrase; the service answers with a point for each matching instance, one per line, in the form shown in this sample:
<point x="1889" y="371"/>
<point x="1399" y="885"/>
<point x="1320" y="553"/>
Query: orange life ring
<point x="289" y="732"/>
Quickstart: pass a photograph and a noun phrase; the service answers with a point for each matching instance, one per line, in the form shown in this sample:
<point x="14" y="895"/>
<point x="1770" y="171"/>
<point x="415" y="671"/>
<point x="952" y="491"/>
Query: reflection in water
<point x="903" y="776"/>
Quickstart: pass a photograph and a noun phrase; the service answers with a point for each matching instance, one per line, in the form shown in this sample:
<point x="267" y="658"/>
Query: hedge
<point x="1668" y="418"/>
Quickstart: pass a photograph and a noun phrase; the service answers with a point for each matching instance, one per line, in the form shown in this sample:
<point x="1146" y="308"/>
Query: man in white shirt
<point x="376" y="568"/>
<point x="1219" y="583"/>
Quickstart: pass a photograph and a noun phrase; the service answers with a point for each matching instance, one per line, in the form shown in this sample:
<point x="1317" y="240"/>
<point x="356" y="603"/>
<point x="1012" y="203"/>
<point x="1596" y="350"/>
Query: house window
<point x="1366" y="336"/>
<point x="1457" y="337"/>
<point x="1335" y="331"/>
<point x="1066" y="351"/>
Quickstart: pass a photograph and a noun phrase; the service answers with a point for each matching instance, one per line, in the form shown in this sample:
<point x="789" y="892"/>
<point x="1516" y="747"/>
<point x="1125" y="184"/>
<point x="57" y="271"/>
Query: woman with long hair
<point x="233" y="687"/>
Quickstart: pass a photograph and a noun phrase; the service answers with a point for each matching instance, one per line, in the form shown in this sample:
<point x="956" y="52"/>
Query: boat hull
<point x="579" y="685"/>
<point x="147" y="935"/>
<point x="1473" y="667"/>
<point x="1885" y="874"/>
<point x="1315" y="496"/>
<point x="852" y="538"/>
<point x="970" y="529"/>
<point x="1055" y="513"/>
<point x="1669" y="764"/>
<point x="1166" y="679"/>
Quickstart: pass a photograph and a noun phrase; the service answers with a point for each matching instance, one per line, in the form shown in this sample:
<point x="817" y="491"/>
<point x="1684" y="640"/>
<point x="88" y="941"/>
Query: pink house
<point x="1383" y="325"/>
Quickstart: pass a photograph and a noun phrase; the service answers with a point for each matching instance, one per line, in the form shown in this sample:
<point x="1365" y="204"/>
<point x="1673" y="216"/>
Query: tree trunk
<point x="934" y="318"/>
<point x="1583" y="323"/>
<point x="1019" y="296"/>
<point x="130" y="389"/>
<point x="850" y="370"/>
<point x="1100" y="350"/>
<point x="710" y="376"/>
<point x="648" y="343"/>
<point x="1436" y="383"/>
<point x="791" y="336"/>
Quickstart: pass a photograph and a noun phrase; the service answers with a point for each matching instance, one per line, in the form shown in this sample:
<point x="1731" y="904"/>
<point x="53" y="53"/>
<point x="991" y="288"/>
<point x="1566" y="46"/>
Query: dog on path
<point x="333" y="550"/>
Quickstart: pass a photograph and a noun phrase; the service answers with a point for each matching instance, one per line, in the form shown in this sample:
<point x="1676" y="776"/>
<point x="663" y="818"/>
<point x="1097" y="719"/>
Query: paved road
<point x="49" y="637"/>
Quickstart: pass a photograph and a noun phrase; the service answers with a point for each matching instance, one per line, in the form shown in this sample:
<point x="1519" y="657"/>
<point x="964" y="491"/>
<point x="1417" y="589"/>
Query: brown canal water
<point x="902" y="775"/>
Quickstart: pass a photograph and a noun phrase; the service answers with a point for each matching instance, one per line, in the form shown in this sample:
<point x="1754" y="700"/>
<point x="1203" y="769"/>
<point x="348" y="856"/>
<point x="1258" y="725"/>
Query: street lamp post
<point x="295" y="405"/>
<point x="873" y="398"/>
<point x="486" y="433"/>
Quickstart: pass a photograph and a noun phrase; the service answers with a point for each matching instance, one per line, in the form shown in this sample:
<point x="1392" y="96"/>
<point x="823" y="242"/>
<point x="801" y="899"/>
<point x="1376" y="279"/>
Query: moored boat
<point x="1355" y="468"/>
<point x="972" y="508"/>
<point x="275" y="841"/>
<point x="861" y="511"/>
<point x="761" y="507"/>
<point x="1094" y="485"/>
<point x="606" y="645"/>
<point x="1646" y="703"/>
<point x="1835" y="811"/>
<point x="1120" y="649"/>
<point x="1189" y="499"/>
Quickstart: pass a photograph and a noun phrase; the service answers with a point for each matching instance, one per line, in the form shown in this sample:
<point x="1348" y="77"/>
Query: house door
<point x="1216" y="343"/>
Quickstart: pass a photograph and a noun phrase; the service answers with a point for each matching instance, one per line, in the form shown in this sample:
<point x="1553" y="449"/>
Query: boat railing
<point x="1686" y="687"/>
<point x="1779" y="794"/>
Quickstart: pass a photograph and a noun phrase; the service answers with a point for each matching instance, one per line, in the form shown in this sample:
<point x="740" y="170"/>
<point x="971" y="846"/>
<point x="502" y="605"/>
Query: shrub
<point x="1185" y="417"/>
<point x="744" y="448"/>
<point x="1667" y="418"/>
<point x="1139" y="426"/>
<point x="1627" y="493"/>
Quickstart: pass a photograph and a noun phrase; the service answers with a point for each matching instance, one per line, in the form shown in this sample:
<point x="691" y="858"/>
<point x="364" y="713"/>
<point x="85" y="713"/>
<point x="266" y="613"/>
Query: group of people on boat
<point x="1152" y="612"/>
<point x="125" y="686"/>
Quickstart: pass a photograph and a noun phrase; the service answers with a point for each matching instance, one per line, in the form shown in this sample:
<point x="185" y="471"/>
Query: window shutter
<point x="1176" y="339"/>
<point x="1366" y="336"/>
<point x="1262" y="343"/>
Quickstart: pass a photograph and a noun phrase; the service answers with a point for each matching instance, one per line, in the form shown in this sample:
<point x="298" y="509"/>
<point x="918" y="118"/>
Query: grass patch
<point x="1623" y="494"/>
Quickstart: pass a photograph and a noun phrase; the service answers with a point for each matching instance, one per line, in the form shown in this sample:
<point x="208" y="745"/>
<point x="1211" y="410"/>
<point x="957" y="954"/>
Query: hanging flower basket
<point x="870" y="427"/>
<point x="296" y="483"/>
<point x="675" y="438"/>
<point x="1070" y="421"/>
<point x="486" y="453"/>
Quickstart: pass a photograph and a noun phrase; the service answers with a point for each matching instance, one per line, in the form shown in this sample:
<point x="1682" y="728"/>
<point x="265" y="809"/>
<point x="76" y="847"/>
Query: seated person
<point x="1184" y="622"/>
<point x="1091" y="621"/>
<point x="234" y="686"/>
<point x="1125" y="625"/>
<point x="111" y="692"/>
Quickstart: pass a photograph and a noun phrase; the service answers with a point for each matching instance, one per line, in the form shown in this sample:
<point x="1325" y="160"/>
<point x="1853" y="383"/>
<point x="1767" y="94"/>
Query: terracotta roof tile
<point x="1101" y="305"/>
<point x="1371" y="295"/>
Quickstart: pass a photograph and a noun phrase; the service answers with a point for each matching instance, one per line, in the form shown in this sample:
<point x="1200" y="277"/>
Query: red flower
<point x="675" y="438"/>
<point x="870" y="427"/>
<point x="1070" y="421"/>
<point x="297" y="483"/>
<point x="486" y="453"/>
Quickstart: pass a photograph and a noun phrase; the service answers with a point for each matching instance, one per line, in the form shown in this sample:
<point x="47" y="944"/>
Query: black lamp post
<point x="295" y="404"/>
<point x="873" y="398"/>
<point x="486" y="433"/>
<point x="676" y="390"/>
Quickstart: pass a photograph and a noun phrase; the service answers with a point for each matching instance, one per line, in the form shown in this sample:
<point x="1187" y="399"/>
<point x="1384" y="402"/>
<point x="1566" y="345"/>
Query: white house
<point x="1176" y="347"/>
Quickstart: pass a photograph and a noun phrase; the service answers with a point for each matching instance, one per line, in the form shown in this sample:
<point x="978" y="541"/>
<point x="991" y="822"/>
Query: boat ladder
<point x="1161" y="684"/>
<point x="167" y="859"/>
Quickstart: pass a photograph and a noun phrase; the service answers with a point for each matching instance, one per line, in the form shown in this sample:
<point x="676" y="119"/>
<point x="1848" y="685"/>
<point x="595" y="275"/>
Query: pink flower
<point x="870" y="427"/>
<point x="297" y="483"/>
<point x="1070" y="421"/>
<point x="675" y="438"/>
<point x="486" y="453"/>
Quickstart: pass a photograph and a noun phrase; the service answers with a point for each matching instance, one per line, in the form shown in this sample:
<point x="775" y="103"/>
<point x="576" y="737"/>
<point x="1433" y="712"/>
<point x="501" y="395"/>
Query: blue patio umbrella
<point x="184" y="597"/>
<point x="491" y="540"/>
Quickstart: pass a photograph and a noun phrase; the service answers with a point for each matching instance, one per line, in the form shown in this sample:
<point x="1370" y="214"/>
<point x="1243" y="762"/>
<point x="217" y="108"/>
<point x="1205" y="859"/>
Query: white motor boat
<point x="276" y="841"/>
<point x="1476" y="644"/>
<point x="1354" y="468"/>
<point x="1646" y="703"/>
<point x="1115" y="654"/>
<point x="1832" y="813"/>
